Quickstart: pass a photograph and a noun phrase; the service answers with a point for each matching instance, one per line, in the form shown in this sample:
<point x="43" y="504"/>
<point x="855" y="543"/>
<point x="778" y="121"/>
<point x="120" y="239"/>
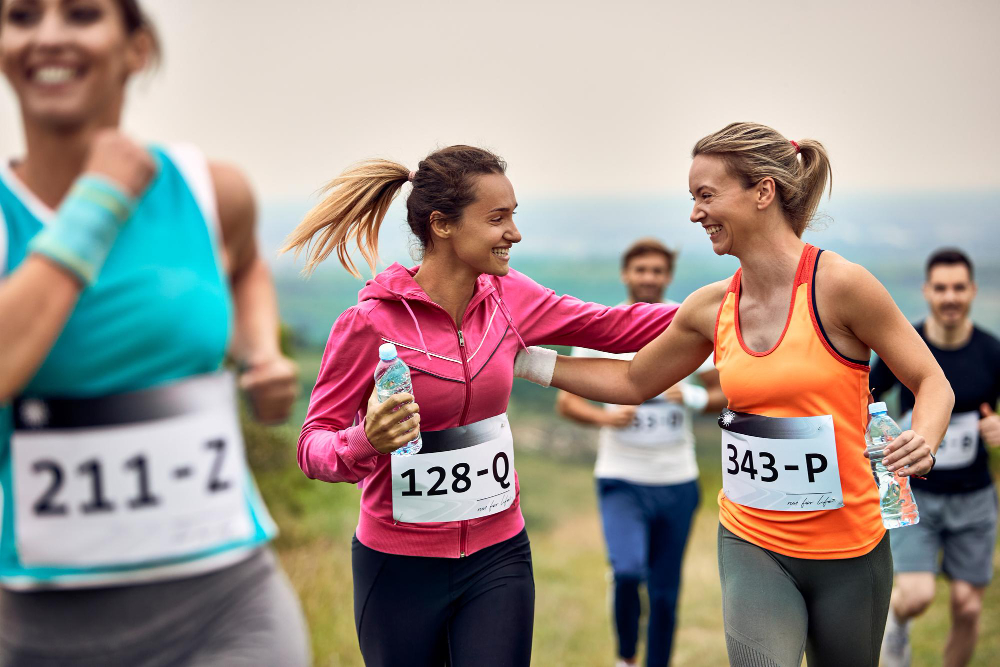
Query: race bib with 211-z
<point x="131" y="479"/>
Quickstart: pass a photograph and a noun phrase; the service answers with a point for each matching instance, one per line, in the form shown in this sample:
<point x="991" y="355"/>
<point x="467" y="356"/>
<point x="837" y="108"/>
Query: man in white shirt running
<point x="647" y="475"/>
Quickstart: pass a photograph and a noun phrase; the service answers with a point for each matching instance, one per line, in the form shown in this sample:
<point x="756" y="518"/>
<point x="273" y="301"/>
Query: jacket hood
<point x="396" y="283"/>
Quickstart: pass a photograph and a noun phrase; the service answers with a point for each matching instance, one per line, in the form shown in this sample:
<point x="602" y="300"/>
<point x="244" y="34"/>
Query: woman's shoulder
<point x="840" y="278"/>
<point x="701" y="308"/>
<point x="708" y="296"/>
<point x="222" y="189"/>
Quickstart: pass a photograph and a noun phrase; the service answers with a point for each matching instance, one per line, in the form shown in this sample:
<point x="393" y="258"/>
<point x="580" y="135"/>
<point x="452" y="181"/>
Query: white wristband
<point x="695" y="397"/>
<point x="536" y="364"/>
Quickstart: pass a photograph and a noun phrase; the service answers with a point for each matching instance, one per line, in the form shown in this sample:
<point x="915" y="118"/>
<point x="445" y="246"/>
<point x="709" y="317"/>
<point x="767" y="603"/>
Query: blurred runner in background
<point x="647" y="474"/>
<point x="957" y="532"/>
<point x="132" y="530"/>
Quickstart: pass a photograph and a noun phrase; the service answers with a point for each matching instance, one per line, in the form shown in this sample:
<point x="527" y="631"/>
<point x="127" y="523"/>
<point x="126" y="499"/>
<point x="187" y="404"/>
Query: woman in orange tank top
<point x="803" y="557"/>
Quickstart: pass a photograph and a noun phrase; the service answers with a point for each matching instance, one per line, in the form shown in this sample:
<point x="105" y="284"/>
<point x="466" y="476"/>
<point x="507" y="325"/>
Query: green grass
<point x="572" y="625"/>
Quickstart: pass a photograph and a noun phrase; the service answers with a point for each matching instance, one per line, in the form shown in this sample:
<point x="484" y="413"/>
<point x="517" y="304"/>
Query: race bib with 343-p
<point x="460" y="473"/>
<point x="131" y="479"/>
<point x="780" y="463"/>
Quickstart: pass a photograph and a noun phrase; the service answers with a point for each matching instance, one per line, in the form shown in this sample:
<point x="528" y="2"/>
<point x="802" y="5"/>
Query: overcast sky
<point x="580" y="97"/>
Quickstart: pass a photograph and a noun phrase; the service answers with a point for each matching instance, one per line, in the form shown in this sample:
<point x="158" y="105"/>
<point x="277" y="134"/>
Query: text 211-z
<point x="48" y="505"/>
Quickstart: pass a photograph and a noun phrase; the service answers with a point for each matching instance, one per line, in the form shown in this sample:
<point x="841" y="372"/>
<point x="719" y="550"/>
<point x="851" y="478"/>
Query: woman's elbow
<point x="302" y="456"/>
<point x="949" y="395"/>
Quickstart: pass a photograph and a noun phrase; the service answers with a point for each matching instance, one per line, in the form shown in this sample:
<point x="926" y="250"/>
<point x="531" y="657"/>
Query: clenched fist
<point x="989" y="425"/>
<point x="619" y="416"/>
<point x="271" y="386"/>
<point x="119" y="159"/>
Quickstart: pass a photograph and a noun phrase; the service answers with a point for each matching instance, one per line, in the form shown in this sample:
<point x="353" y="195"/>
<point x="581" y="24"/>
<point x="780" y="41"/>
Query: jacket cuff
<point x="358" y="447"/>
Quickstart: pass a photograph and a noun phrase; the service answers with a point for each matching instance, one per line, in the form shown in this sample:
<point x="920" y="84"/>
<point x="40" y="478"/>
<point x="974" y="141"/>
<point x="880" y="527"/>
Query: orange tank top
<point x="801" y="376"/>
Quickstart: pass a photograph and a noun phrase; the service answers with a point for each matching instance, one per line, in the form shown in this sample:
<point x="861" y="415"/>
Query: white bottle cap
<point x="875" y="408"/>
<point x="387" y="352"/>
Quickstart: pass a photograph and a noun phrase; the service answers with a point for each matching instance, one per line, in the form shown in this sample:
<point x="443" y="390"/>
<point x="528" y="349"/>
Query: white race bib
<point x="130" y="479"/>
<point x="960" y="445"/>
<point x="657" y="423"/>
<point x="460" y="473"/>
<point x="780" y="463"/>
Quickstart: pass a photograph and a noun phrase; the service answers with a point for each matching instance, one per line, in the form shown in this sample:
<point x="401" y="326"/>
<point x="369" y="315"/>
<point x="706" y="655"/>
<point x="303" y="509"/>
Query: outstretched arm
<point x="668" y="359"/>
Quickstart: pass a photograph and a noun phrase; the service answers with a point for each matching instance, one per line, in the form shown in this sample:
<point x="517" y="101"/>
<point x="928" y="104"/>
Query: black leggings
<point x="462" y="612"/>
<point x="776" y="607"/>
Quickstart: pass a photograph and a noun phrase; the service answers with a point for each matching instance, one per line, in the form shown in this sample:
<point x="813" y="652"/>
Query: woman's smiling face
<point x="486" y="231"/>
<point x="722" y="206"/>
<point x="68" y="60"/>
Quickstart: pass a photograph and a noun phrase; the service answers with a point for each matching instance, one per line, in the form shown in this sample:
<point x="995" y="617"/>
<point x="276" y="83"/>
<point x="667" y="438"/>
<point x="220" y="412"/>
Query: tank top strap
<point x="734" y="286"/>
<point x="807" y="265"/>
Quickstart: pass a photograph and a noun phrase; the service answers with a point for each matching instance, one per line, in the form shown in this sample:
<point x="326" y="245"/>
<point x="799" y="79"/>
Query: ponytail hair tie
<point x="795" y="143"/>
<point x="413" y="175"/>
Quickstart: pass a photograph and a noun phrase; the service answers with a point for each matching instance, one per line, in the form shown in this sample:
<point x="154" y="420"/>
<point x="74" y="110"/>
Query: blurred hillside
<point x="573" y="247"/>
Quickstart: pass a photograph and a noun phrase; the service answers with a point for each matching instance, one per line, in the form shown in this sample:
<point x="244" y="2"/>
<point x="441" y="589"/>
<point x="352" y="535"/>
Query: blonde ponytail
<point x="814" y="173"/>
<point x="752" y="152"/>
<point x="352" y="209"/>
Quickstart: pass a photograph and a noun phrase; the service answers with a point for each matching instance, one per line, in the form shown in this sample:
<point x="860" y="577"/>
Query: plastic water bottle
<point x="393" y="377"/>
<point x="895" y="497"/>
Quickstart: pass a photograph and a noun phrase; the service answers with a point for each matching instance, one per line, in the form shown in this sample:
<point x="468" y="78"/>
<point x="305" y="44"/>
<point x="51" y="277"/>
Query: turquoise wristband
<point x="85" y="228"/>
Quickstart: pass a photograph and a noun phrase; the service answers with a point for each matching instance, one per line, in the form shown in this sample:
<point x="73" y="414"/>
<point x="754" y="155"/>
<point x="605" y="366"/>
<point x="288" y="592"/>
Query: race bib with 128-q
<point x="460" y="473"/>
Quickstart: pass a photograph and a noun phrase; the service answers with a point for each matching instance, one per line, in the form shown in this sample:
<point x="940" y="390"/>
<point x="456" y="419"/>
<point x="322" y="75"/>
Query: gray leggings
<point x="242" y="616"/>
<point x="777" y="608"/>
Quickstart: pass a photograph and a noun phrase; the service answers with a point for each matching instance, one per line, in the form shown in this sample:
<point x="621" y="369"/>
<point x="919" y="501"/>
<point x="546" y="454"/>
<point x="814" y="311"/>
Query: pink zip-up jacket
<point x="459" y="377"/>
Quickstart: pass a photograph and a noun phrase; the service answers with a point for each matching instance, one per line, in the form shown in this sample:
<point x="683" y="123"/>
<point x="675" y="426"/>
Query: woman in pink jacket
<point x="441" y="560"/>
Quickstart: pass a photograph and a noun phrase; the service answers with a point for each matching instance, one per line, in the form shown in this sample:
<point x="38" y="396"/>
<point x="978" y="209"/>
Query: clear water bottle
<point x="895" y="498"/>
<point x="393" y="377"/>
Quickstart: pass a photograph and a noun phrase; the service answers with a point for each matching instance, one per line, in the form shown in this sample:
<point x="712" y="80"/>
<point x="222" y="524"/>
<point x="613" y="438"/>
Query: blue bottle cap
<point x="875" y="408"/>
<point x="387" y="352"/>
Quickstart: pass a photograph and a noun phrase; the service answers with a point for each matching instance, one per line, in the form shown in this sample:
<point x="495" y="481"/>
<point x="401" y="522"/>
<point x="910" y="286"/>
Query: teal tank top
<point x="160" y="311"/>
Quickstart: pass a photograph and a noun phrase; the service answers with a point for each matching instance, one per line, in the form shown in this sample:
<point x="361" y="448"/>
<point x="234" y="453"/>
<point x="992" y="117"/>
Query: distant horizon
<point x="915" y="222"/>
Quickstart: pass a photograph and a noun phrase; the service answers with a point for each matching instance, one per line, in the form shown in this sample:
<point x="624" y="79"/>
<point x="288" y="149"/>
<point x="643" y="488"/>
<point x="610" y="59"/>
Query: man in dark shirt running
<point x="957" y="501"/>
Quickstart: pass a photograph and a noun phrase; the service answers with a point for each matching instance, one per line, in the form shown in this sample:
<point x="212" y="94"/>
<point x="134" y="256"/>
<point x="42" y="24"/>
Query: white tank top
<point x="656" y="449"/>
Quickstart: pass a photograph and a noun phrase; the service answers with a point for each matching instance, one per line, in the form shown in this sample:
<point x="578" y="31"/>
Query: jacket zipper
<point x="464" y="526"/>
<point x="468" y="378"/>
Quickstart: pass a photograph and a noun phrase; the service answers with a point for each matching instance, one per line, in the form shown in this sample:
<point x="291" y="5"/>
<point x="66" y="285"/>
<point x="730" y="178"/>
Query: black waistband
<point x="171" y="400"/>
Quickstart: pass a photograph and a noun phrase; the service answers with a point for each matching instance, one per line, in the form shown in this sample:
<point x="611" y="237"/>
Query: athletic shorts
<point x="956" y="535"/>
<point x="244" y="615"/>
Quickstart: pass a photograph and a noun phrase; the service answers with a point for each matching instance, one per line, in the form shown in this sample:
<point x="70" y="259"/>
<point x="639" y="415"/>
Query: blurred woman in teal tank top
<point x="132" y="530"/>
